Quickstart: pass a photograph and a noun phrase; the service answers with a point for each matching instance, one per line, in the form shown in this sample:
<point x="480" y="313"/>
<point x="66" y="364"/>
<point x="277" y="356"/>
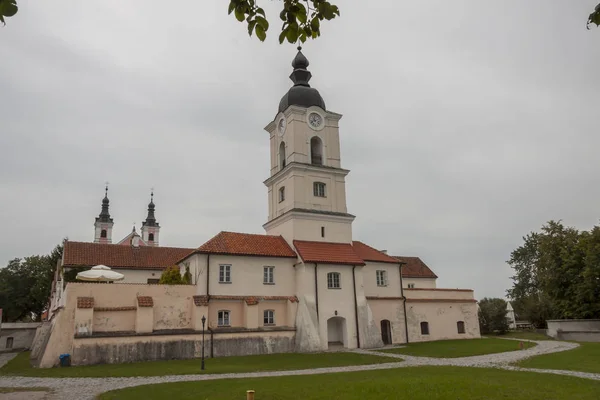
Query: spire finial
<point x="133" y="230"/>
<point x="106" y="189"/>
<point x="151" y="195"/>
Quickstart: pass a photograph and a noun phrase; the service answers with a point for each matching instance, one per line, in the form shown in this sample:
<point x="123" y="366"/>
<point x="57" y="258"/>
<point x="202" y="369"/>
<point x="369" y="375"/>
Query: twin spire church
<point x="104" y="225"/>
<point x="305" y="285"/>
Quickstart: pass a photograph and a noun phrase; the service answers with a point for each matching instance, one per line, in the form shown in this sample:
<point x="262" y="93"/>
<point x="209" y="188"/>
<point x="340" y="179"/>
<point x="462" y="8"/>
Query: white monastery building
<point x="305" y="285"/>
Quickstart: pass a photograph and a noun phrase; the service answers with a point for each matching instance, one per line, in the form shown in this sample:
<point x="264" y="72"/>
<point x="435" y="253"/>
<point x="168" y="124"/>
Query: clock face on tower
<point x="281" y="126"/>
<point x="315" y="120"/>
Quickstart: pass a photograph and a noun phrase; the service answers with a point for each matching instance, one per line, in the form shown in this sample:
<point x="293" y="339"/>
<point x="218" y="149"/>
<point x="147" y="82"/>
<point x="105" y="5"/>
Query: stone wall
<point x="582" y="330"/>
<point x="17" y="336"/>
<point x="109" y="350"/>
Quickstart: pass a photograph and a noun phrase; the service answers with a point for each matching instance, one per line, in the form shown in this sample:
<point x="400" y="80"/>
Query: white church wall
<point x="420" y="283"/>
<point x="442" y="318"/>
<point x="392" y="287"/>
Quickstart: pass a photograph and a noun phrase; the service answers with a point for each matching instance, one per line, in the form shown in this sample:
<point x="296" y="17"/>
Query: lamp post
<point x="203" y="321"/>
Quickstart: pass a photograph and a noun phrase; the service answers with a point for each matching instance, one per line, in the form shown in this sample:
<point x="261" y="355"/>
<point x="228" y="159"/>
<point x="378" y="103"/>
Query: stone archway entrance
<point x="336" y="332"/>
<point x="386" y="331"/>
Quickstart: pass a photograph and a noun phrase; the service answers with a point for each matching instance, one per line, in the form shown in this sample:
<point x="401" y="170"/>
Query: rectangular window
<point x="9" y="342"/>
<point x="319" y="189"/>
<point x="225" y="273"/>
<point x="269" y="275"/>
<point x="269" y="317"/>
<point x="223" y="318"/>
<point x="322" y="231"/>
<point x="411" y="285"/>
<point x="153" y="281"/>
<point x="381" y="278"/>
<point x="333" y="280"/>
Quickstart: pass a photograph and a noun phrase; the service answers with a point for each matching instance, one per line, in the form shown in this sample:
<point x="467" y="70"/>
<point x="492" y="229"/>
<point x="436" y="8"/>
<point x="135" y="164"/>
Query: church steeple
<point x="104" y="223"/>
<point x="150" y="228"/>
<point x="307" y="188"/>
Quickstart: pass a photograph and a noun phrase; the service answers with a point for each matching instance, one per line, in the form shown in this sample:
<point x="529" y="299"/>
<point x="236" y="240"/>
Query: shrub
<point x="171" y="276"/>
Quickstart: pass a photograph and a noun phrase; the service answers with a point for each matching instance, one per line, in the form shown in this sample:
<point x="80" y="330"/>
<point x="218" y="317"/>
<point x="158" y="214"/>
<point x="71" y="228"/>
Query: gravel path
<point x="88" y="388"/>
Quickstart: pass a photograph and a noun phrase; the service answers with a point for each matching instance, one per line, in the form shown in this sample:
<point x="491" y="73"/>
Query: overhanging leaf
<point x="8" y="8"/>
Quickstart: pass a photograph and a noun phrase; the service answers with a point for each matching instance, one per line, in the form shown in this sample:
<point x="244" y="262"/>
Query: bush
<point x="492" y="316"/>
<point x="171" y="276"/>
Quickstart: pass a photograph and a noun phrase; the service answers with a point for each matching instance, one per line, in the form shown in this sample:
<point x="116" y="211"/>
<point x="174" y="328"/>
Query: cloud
<point x="466" y="125"/>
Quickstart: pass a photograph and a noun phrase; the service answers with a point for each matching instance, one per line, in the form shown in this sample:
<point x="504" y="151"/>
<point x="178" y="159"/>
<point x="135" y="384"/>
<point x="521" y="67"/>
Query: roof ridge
<point x="115" y="244"/>
<point x="319" y="241"/>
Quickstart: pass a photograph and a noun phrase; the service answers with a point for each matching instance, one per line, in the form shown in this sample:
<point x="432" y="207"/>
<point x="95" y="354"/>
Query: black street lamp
<point x="203" y="321"/>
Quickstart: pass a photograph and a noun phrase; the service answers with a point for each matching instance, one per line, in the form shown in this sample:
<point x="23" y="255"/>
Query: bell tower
<point x="307" y="187"/>
<point x="104" y="223"/>
<point x="150" y="228"/>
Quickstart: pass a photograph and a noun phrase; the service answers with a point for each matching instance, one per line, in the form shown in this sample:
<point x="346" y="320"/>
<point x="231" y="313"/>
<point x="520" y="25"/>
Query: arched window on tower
<point x="282" y="155"/>
<point x="316" y="151"/>
<point x="151" y="237"/>
<point x="103" y="233"/>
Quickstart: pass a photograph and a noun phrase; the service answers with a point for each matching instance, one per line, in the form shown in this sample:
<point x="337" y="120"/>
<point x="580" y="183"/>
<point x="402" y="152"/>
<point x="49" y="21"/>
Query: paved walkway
<point x="88" y="388"/>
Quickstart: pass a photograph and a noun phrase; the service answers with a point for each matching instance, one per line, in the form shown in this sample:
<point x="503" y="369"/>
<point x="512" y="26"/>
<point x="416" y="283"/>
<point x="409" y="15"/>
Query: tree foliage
<point x="557" y="274"/>
<point x="25" y="286"/>
<point x="492" y="316"/>
<point x="8" y="8"/>
<point x="594" y="17"/>
<point x="187" y="276"/>
<point x="171" y="276"/>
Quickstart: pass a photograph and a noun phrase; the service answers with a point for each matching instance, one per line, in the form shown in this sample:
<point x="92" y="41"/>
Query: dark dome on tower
<point x="301" y="94"/>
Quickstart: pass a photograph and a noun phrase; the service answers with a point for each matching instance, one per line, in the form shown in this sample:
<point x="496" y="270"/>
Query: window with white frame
<point x="224" y="273"/>
<point x="269" y="275"/>
<point x="223" y="318"/>
<point x="333" y="280"/>
<point x="381" y="278"/>
<point x="269" y="317"/>
<point x="411" y="285"/>
<point x="319" y="189"/>
<point x="281" y="194"/>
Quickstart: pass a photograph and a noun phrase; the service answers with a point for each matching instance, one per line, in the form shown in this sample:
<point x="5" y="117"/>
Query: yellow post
<point x="249" y="394"/>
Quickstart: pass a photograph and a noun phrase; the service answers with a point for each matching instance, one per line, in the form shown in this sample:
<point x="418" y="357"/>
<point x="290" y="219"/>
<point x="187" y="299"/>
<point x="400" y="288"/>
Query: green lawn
<point x="527" y="335"/>
<point x="417" y="383"/>
<point x="459" y="348"/>
<point x="20" y="365"/>
<point x="585" y="358"/>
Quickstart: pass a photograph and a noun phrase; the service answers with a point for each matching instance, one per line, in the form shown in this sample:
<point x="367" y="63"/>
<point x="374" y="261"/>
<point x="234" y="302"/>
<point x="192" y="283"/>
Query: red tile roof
<point x="415" y="268"/>
<point x="327" y="253"/>
<point x="145" y="301"/>
<point x="119" y="256"/>
<point x="369" y="253"/>
<point x="85" y="302"/>
<point x="246" y="244"/>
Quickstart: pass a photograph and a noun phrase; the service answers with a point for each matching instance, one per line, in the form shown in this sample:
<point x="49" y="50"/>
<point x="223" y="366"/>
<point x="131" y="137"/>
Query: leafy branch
<point x="8" y="8"/>
<point x="594" y="17"/>
<point x="301" y="18"/>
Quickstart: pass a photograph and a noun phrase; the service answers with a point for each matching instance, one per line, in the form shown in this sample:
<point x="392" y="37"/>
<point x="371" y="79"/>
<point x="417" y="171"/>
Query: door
<point x="386" y="332"/>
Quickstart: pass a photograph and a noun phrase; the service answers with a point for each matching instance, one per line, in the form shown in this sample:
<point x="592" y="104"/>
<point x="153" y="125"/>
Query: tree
<point x="557" y="274"/>
<point x="187" y="276"/>
<point x="25" y="286"/>
<point x="492" y="316"/>
<point x="171" y="276"/>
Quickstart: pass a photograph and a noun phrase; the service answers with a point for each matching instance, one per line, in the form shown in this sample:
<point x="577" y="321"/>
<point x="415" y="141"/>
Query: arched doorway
<point x="386" y="331"/>
<point x="336" y="332"/>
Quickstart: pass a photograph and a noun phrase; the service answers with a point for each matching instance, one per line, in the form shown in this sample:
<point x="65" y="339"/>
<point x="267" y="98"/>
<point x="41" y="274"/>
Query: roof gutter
<point x="404" y="299"/>
<point x="355" y="307"/>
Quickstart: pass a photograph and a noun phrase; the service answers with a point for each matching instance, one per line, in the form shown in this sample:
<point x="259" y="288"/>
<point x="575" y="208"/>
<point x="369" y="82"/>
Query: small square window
<point x="319" y="189"/>
<point x="381" y="278"/>
<point x="224" y="273"/>
<point x="281" y="194"/>
<point x="223" y="318"/>
<point x="269" y="317"/>
<point x="411" y="285"/>
<point x="269" y="275"/>
<point x="9" y="342"/>
<point x="333" y="280"/>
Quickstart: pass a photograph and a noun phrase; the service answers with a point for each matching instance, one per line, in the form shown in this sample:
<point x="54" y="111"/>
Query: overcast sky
<point x="466" y="125"/>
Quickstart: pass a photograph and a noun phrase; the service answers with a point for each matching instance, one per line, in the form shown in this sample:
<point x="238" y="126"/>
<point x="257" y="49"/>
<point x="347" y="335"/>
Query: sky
<point x="466" y="124"/>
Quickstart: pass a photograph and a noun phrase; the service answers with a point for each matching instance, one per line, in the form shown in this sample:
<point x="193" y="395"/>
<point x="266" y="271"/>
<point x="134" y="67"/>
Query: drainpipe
<point x="212" y="343"/>
<point x="316" y="292"/>
<point x="404" y="299"/>
<point x="355" y="307"/>
<point x="207" y="276"/>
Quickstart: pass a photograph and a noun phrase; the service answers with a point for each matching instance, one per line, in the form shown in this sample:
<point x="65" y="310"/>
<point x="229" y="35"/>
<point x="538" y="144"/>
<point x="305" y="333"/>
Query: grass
<point x="458" y="348"/>
<point x="417" y="383"/>
<point x="19" y="366"/>
<point x="527" y="335"/>
<point x="585" y="358"/>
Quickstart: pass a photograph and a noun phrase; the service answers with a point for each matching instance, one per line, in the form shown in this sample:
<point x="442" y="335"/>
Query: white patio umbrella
<point x="100" y="273"/>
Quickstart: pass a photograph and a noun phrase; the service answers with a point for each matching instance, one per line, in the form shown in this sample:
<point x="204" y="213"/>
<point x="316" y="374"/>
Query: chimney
<point x="383" y="251"/>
